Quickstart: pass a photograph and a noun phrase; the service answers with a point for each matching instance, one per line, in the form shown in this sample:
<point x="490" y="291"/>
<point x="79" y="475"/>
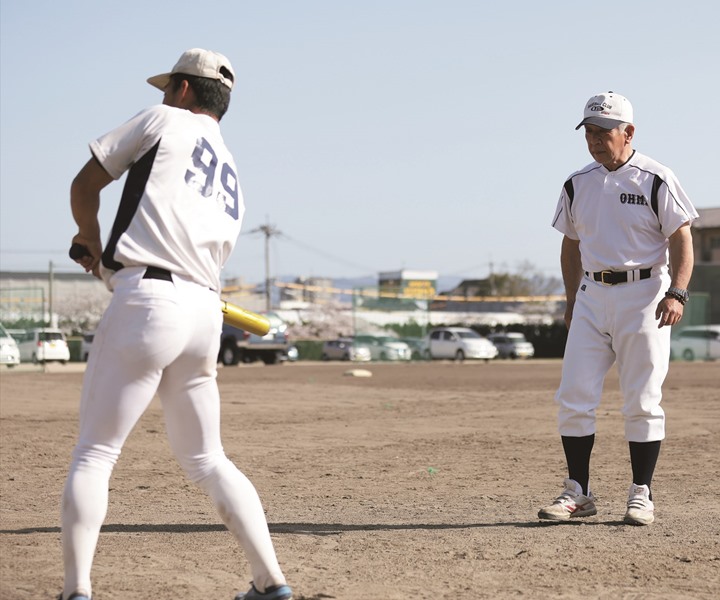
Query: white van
<point x="44" y="344"/>
<point x="696" y="342"/>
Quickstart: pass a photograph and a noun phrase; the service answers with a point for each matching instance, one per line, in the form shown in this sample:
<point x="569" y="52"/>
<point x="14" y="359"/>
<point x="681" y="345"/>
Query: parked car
<point x="696" y="342"/>
<point x="384" y="347"/>
<point x="459" y="343"/>
<point x="86" y="344"/>
<point x="273" y="348"/>
<point x="418" y="347"/>
<point x="512" y="345"/>
<point x="44" y="344"/>
<point x="9" y="351"/>
<point x="345" y="349"/>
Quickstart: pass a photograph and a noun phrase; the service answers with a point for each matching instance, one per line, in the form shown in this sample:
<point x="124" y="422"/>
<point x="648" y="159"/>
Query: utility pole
<point x="51" y="277"/>
<point x="492" y="278"/>
<point x="268" y="231"/>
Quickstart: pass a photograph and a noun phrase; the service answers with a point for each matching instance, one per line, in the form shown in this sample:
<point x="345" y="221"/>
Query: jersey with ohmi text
<point x="181" y="208"/>
<point x="623" y="218"/>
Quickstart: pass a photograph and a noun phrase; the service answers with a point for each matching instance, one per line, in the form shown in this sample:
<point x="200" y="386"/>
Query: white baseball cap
<point x="201" y="63"/>
<point x="607" y="110"/>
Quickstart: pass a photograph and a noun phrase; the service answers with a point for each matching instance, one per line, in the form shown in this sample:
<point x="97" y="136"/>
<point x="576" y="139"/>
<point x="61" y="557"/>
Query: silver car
<point x="345" y="349"/>
<point x="383" y="347"/>
<point x="512" y="345"/>
<point x="86" y="345"/>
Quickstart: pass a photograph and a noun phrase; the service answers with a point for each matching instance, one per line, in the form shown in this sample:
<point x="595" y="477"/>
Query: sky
<point x="372" y="136"/>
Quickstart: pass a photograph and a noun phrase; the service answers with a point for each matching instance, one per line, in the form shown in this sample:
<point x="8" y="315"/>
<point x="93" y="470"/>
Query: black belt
<point x="157" y="273"/>
<point x="615" y="277"/>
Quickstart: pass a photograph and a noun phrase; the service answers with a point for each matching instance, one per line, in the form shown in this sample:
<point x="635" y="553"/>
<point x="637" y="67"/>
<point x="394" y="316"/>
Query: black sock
<point x="577" y="455"/>
<point x="643" y="458"/>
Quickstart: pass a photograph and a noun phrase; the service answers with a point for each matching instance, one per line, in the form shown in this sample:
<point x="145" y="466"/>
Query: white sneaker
<point x="572" y="503"/>
<point x="639" y="506"/>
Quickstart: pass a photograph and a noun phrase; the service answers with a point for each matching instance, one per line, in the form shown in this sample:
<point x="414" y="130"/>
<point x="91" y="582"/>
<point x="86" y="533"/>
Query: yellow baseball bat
<point x="244" y="319"/>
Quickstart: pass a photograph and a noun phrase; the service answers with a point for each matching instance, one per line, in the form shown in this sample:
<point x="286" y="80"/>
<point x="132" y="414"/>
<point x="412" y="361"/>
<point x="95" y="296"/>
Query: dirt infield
<point x="422" y="481"/>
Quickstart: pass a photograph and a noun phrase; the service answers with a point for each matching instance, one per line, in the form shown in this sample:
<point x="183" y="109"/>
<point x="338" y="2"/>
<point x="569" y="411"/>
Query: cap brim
<point x="600" y="122"/>
<point x="160" y="81"/>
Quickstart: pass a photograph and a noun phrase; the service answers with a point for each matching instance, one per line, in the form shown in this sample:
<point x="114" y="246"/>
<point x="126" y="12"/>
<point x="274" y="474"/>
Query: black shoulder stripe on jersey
<point x="570" y="191"/>
<point x="657" y="182"/>
<point x="133" y="191"/>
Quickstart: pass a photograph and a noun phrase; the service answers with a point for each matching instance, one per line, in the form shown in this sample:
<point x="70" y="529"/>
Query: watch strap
<point x="681" y="295"/>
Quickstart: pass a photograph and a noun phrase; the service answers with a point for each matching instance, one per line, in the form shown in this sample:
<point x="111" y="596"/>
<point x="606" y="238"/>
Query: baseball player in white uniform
<point x="626" y="260"/>
<point x="177" y="223"/>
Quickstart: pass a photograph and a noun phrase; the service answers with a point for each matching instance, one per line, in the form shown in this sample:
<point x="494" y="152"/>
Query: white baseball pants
<point x="612" y="323"/>
<point x="164" y="337"/>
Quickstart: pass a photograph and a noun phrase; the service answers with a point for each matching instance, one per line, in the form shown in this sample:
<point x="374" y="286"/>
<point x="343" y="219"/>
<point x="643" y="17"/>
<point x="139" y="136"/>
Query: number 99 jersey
<point x="181" y="208"/>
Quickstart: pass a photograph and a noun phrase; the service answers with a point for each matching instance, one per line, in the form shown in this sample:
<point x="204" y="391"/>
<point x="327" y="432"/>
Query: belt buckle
<point x="602" y="278"/>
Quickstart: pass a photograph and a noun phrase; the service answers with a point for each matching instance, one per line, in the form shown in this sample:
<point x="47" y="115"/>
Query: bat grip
<point x="78" y="251"/>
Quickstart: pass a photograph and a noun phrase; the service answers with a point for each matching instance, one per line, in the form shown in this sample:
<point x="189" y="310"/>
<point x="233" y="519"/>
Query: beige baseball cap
<point x="607" y="110"/>
<point x="201" y="63"/>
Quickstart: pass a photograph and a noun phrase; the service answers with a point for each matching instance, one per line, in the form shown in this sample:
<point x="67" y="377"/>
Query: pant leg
<point x="587" y="359"/>
<point x="643" y="355"/>
<point x="191" y="402"/>
<point x="135" y="340"/>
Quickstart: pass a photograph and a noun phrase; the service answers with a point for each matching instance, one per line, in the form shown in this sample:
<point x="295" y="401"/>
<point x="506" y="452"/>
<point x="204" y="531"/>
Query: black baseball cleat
<point x="76" y="596"/>
<point x="278" y="592"/>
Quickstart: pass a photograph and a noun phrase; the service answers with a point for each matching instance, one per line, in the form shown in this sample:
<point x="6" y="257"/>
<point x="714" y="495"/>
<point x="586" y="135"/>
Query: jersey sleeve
<point x="674" y="207"/>
<point x="120" y="148"/>
<point x="563" y="221"/>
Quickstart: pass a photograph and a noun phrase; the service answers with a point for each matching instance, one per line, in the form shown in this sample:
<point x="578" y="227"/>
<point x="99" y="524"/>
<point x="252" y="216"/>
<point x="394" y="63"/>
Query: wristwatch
<point x="679" y="294"/>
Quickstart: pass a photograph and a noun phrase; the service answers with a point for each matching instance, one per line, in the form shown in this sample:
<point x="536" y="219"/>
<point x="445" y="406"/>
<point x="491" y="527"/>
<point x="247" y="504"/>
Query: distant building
<point x="413" y="284"/>
<point x="51" y="296"/>
<point x="308" y="290"/>
<point x="401" y="291"/>
<point x="705" y="281"/>
<point x="706" y="237"/>
<point x="476" y="295"/>
<point x="460" y="298"/>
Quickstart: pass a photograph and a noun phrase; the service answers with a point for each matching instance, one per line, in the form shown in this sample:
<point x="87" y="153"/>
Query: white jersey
<point x="623" y="218"/>
<point x="181" y="207"/>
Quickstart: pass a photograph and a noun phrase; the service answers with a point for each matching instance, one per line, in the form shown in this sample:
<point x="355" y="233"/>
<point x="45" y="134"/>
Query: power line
<point x="33" y="251"/>
<point x="330" y="256"/>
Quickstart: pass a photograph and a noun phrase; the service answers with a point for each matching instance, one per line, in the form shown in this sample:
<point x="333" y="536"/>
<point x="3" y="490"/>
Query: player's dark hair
<point x="212" y="95"/>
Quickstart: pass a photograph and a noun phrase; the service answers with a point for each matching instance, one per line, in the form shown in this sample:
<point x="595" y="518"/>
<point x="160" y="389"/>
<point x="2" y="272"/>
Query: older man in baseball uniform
<point x="177" y="223"/>
<point x="626" y="260"/>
